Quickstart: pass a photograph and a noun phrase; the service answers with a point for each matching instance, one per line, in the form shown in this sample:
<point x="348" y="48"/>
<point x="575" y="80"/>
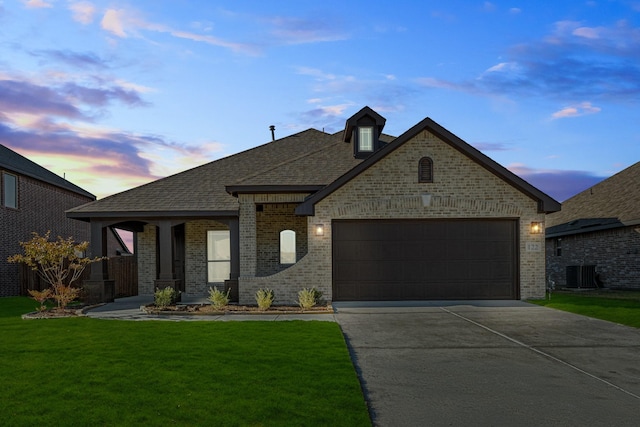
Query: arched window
<point x="287" y="247"/>
<point x="425" y="170"/>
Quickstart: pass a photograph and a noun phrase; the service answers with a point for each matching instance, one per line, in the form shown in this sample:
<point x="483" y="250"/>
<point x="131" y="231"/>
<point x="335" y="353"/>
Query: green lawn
<point x="615" y="306"/>
<point x="91" y="372"/>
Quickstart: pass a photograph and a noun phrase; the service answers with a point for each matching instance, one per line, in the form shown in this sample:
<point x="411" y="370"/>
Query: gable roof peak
<point x="546" y="204"/>
<point x="17" y="163"/>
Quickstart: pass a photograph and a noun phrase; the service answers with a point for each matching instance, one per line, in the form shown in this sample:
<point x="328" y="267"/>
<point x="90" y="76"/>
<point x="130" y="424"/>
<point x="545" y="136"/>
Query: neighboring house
<point x="34" y="199"/>
<point x="357" y="214"/>
<point x="595" y="239"/>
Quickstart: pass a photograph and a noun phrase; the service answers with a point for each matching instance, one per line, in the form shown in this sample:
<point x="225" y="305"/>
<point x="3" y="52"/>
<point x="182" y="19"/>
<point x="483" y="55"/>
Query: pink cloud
<point x="577" y="110"/>
<point x="125" y="23"/>
<point x="83" y="12"/>
<point x="114" y="21"/>
<point x="36" y="4"/>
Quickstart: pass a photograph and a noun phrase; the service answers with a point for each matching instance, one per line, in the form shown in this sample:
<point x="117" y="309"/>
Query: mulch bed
<point x="195" y="309"/>
<point x="56" y="313"/>
<point x="233" y="309"/>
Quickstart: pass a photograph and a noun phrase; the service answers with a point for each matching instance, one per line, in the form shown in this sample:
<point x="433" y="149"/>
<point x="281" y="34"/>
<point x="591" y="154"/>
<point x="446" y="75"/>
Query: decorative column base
<point x="232" y="286"/>
<point x="99" y="291"/>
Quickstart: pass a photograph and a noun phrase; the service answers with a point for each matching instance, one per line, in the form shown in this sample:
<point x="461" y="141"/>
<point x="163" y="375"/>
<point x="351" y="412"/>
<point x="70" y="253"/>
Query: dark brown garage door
<point x="390" y="260"/>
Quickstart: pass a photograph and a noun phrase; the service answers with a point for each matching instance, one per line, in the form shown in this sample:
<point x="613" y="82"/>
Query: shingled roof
<point x="616" y="197"/>
<point x="12" y="161"/>
<point x="307" y="160"/>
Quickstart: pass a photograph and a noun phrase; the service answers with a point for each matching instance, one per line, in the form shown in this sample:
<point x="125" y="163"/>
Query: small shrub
<point x="64" y="294"/>
<point x="264" y="298"/>
<point x="165" y="297"/>
<point x="59" y="263"/>
<point x="218" y="298"/>
<point x="308" y="297"/>
<point x="41" y="297"/>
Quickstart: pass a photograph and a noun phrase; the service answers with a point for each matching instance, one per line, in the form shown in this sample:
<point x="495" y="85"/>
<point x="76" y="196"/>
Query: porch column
<point x="248" y="238"/>
<point x="234" y="234"/>
<point x="99" y="288"/>
<point x="165" y="273"/>
<point x="99" y="270"/>
<point x="164" y="240"/>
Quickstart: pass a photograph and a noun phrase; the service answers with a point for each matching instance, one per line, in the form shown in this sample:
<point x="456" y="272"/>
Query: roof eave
<point x="583" y="230"/>
<point x="148" y="215"/>
<point x="234" y="190"/>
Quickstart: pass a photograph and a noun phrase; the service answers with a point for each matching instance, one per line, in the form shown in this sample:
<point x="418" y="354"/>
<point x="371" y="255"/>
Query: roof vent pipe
<point x="272" y="128"/>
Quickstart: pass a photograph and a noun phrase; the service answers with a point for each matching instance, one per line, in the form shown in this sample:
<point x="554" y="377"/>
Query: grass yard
<point x="615" y="306"/>
<point x="81" y="371"/>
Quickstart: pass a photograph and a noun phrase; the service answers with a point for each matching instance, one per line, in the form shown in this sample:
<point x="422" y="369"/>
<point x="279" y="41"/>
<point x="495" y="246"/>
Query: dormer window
<point x="363" y="130"/>
<point x="365" y="138"/>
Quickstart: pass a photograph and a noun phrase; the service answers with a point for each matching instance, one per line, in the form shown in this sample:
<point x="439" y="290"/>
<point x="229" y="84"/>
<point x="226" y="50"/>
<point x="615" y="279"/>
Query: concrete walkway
<point x="492" y="363"/>
<point x="129" y="309"/>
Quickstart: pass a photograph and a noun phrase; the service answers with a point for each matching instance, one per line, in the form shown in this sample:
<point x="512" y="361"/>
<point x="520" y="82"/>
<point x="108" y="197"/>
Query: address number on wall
<point x="533" y="247"/>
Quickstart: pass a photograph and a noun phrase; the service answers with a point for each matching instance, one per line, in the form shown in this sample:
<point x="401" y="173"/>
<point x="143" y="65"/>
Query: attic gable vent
<point x="425" y="170"/>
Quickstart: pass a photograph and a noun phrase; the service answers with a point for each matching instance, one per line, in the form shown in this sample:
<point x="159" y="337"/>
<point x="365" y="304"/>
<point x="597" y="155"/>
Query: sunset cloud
<point x="84" y="60"/>
<point x="102" y="161"/>
<point x="577" y="110"/>
<point x="83" y="12"/>
<point x="384" y="93"/>
<point x="573" y="61"/>
<point x="114" y="21"/>
<point x="294" y="30"/>
<point x="127" y="23"/>
<point x="25" y="97"/>
<point x="36" y="4"/>
<point x="559" y="184"/>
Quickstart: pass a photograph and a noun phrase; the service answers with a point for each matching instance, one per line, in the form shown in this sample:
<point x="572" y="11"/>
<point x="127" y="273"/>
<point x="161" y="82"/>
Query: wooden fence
<point x="122" y="269"/>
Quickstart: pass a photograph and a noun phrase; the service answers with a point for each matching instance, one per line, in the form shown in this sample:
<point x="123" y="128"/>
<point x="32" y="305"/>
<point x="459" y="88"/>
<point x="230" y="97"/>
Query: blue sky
<point x="114" y="94"/>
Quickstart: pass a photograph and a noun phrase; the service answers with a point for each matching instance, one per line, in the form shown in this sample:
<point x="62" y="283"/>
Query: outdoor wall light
<point x="319" y="229"/>
<point x="536" y="227"/>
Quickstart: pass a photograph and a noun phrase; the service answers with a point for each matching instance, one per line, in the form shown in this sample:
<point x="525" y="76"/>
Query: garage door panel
<point x="424" y="259"/>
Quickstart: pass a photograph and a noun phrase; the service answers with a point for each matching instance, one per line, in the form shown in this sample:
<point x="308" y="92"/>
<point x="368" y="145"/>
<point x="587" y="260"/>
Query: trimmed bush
<point x="165" y="297"/>
<point x="264" y="298"/>
<point x="218" y="298"/>
<point x="308" y="297"/>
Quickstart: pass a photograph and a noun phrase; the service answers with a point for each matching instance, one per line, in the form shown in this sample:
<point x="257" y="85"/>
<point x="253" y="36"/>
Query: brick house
<point x="358" y="214"/>
<point x="34" y="199"/>
<point x="595" y="239"/>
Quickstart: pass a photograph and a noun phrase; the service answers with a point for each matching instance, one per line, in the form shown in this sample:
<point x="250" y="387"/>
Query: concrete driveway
<point x="492" y="363"/>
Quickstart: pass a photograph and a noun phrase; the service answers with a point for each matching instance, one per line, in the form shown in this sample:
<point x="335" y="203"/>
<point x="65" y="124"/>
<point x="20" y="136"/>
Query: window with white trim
<point x="218" y="256"/>
<point x="287" y="247"/>
<point x="365" y="138"/>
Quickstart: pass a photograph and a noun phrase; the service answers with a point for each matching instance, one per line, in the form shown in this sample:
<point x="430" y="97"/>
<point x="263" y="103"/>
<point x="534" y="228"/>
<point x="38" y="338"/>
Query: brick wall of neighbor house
<point x="196" y="256"/>
<point x="615" y="253"/>
<point x="390" y="189"/>
<point x="273" y="219"/>
<point x="41" y="207"/>
<point x="147" y="260"/>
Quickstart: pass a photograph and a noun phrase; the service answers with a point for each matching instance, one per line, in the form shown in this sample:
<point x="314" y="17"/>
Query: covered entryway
<point x="391" y="260"/>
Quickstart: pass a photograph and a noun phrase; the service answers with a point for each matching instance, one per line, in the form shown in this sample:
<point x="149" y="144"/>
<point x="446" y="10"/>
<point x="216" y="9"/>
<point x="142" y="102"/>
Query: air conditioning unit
<point x="581" y="276"/>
